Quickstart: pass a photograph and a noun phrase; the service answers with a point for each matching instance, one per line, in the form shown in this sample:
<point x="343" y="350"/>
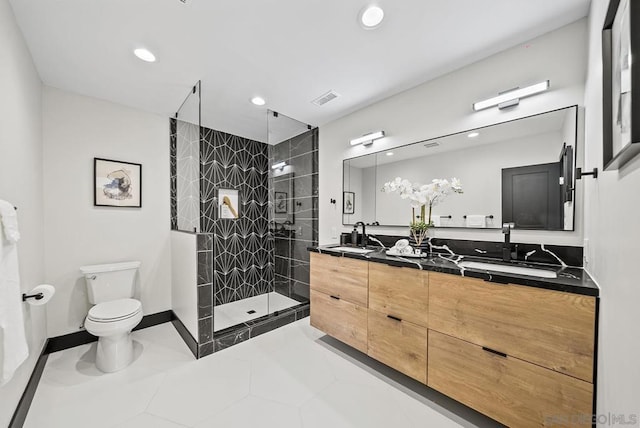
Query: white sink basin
<point x="350" y="250"/>
<point x="541" y="273"/>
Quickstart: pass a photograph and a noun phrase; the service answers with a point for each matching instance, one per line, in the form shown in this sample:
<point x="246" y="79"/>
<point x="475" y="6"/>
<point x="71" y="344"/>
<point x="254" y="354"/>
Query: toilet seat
<point x="115" y="310"/>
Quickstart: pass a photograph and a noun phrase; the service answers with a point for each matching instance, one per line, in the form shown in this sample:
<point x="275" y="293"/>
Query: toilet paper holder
<point x="37" y="296"/>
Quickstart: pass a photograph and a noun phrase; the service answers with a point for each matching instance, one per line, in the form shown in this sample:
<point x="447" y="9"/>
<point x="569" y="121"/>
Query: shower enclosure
<point x="243" y="213"/>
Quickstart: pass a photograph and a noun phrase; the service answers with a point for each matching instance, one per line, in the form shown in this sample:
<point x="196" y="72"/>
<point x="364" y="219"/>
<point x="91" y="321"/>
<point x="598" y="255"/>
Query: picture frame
<point x="228" y="204"/>
<point x="280" y="203"/>
<point x="117" y="183"/>
<point x="621" y="99"/>
<point x="348" y="202"/>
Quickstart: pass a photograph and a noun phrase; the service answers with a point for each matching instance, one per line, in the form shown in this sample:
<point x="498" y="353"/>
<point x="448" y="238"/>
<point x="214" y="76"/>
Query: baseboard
<point x="185" y="335"/>
<point x="20" y="414"/>
<point x="71" y="340"/>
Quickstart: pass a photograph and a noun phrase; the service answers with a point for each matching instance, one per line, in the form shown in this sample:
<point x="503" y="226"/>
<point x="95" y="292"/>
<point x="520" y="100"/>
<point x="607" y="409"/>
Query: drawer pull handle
<point x="394" y="318"/>
<point x="335" y="297"/>
<point x="493" y="351"/>
<point x="496" y="280"/>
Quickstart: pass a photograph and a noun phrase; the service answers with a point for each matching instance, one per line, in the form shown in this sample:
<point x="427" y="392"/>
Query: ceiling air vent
<point x="325" y="98"/>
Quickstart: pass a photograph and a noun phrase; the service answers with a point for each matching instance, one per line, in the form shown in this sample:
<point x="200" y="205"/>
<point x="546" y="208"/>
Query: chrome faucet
<point x="507" y="254"/>
<point x="364" y="241"/>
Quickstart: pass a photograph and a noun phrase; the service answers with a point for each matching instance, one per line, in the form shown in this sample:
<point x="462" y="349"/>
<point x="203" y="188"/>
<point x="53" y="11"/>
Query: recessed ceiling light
<point x="389" y="153"/>
<point x="473" y="134"/>
<point x="259" y="101"/>
<point x="145" y="55"/>
<point x="372" y="16"/>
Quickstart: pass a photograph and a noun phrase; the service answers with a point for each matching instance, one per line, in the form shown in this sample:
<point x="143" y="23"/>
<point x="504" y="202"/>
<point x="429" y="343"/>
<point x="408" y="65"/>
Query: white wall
<point x="443" y="106"/>
<point x="184" y="277"/>
<point x="77" y="129"/>
<point x="612" y="228"/>
<point x="21" y="184"/>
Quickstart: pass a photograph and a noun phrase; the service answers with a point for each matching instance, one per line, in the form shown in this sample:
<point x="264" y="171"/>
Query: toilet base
<point x="114" y="352"/>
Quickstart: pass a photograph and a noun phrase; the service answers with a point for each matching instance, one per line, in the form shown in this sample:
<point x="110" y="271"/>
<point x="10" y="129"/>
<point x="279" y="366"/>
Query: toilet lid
<point x="115" y="310"/>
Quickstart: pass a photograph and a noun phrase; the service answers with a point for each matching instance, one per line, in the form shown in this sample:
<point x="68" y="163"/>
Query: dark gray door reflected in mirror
<point x="532" y="197"/>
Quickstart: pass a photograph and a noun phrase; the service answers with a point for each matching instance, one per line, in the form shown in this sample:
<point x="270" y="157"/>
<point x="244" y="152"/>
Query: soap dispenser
<point x="354" y="236"/>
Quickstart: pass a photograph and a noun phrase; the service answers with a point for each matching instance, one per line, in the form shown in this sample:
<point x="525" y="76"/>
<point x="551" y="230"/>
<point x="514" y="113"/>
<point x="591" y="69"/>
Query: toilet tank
<point x="110" y="281"/>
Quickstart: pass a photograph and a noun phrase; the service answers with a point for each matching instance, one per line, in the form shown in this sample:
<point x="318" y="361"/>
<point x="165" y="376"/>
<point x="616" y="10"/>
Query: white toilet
<point x="111" y="289"/>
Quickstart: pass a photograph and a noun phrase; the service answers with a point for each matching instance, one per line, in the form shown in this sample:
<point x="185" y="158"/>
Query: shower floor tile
<point x="244" y="310"/>
<point x="291" y="377"/>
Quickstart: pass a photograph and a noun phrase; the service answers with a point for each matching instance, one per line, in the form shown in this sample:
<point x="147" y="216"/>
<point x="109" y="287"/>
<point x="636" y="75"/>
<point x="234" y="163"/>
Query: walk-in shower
<point x="243" y="213"/>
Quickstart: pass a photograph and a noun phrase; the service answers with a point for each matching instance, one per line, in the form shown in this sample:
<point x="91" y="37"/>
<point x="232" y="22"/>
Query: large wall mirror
<point x="517" y="172"/>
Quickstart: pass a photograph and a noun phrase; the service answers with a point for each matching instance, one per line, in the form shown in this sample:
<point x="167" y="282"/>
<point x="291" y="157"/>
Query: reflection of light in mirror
<point x="473" y="134"/>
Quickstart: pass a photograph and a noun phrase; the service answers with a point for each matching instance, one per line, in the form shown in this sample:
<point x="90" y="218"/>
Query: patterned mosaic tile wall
<point x="295" y="214"/>
<point x="173" y="172"/>
<point x="243" y="248"/>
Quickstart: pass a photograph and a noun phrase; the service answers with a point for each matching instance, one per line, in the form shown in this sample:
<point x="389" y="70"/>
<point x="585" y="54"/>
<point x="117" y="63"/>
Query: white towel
<point x="476" y="220"/>
<point x="14" y="343"/>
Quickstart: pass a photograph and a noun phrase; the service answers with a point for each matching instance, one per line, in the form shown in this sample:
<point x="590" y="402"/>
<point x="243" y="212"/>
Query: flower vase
<point x="423" y="237"/>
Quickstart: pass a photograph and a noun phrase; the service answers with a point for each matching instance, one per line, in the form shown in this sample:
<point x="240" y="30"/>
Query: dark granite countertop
<point x="569" y="279"/>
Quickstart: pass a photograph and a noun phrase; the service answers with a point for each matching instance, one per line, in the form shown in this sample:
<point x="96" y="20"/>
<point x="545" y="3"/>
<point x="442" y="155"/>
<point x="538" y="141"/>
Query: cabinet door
<point x="549" y="328"/>
<point x="511" y="391"/>
<point x="398" y="344"/>
<point x="341" y="277"/>
<point x="340" y="319"/>
<point x="399" y="291"/>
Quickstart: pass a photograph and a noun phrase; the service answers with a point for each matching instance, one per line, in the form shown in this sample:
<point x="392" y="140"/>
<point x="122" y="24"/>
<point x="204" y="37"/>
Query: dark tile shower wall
<point x="173" y="172"/>
<point x="298" y="230"/>
<point x="243" y="248"/>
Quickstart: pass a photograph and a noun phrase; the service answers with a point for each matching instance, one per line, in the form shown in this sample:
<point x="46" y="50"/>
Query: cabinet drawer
<point x="402" y="292"/>
<point x="398" y="344"/>
<point x="509" y="390"/>
<point x="340" y="319"/>
<point x="549" y="328"/>
<point x="341" y="277"/>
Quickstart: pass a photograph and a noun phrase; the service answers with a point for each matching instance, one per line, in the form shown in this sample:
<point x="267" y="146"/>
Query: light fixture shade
<point x="512" y="95"/>
<point x="367" y="139"/>
<point x="279" y="165"/>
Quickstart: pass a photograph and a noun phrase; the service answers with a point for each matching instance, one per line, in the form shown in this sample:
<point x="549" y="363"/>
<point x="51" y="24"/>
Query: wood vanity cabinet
<point x="509" y="390"/>
<point x="398" y="313"/>
<point x="521" y="355"/>
<point x="341" y="277"/>
<point x="550" y="328"/>
<point x="339" y="294"/>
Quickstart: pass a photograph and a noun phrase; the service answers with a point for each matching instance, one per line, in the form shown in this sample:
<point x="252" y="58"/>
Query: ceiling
<point x="287" y="51"/>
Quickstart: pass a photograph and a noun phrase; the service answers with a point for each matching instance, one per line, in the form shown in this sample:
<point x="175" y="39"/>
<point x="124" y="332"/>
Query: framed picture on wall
<point x="348" y="202"/>
<point x="280" y="203"/>
<point x="621" y="97"/>
<point x="228" y="203"/>
<point x="117" y="183"/>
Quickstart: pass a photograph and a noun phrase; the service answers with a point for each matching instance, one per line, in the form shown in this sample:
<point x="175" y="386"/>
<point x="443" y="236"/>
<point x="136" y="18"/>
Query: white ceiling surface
<point x="287" y="51"/>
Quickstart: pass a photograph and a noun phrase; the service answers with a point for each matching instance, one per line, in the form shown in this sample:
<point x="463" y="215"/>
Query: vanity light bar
<point x="278" y="165"/>
<point x="514" y="94"/>
<point x="367" y="139"/>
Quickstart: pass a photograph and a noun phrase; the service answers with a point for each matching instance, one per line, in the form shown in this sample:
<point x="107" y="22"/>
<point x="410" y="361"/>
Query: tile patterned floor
<point x="234" y="313"/>
<point x="292" y="377"/>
